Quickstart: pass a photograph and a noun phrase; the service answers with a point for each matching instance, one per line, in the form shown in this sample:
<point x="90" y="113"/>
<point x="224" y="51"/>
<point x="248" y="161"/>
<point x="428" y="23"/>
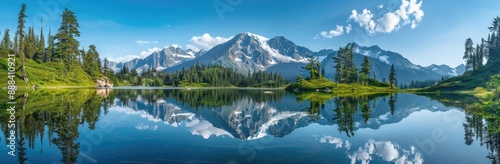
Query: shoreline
<point x="144" y="87"/>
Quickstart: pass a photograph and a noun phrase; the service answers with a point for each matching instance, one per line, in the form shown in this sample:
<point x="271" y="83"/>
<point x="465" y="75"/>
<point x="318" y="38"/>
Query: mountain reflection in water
<point x="85" y="126"/>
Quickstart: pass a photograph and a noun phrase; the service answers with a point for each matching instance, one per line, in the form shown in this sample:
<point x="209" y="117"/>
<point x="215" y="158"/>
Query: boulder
<point x="103" y="83"/>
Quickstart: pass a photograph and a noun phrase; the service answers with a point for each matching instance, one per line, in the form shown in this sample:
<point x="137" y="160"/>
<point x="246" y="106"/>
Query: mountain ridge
<point x="248" y="53"/>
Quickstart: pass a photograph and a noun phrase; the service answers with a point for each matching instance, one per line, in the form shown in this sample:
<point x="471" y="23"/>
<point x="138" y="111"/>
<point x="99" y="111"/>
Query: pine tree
<point x="91" y="61"/>
<point x="345" y="66"/>
<point x="491" y="47"/>
<point x="30" y="44"/>
<point x="6" y="44"/>
<point x="338" y="66"/>
<point x="469" y="55"/>
<point x="478" y="57"/>
<point x="20" y="39"/>
<point x="352" y="71"/>
<point x="40" y="55"/>
<point x="494" y="41"/>
<point x="67" y="45"/>
<point x="364" y="74"/>
<point x="392" y="75"/>
<point x="81" y="60"/>
<point x="50" y="48"/>
<point x="312" y="67"/>
<point x="105" y="68"/>
<point x="15" y="47"/>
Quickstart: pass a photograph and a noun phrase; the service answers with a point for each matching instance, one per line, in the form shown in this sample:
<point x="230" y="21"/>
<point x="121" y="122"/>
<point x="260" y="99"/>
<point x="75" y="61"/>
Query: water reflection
<point x="481" y="123"/>
<point x="57" y="115"/>
<point x="245" y="115"/>
<point x="52" y="122"/>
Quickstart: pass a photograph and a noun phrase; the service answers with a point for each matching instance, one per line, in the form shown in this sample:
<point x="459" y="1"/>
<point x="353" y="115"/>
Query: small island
<point x="348" y="80"/>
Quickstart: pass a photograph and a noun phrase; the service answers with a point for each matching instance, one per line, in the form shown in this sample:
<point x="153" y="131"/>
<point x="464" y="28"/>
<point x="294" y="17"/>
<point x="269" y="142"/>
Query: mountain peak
<point x="355" y="44"/>
<point x="175" y="46"/>
<point x="248" y="34"/>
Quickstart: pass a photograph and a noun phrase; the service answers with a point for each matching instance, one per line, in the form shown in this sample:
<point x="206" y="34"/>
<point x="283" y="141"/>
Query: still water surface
<point x="244" y="126"/>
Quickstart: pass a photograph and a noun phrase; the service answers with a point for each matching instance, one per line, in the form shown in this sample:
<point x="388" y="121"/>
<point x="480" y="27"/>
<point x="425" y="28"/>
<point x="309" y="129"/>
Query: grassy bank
<point x="467" y="82"/>
<point x="46" y="75"/>
<point x="323" y="84"/>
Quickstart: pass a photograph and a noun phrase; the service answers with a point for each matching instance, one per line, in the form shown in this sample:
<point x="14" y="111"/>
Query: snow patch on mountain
<point x="273" y="121"/>
<point x="274" y="53"/>
<point x="384" y="59"/>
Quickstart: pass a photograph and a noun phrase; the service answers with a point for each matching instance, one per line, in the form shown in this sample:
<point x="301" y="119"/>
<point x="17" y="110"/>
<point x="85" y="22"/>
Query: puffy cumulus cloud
<point x="141" y="126"/>
<point x="409" y="12"/>
<point x="348" y="28"/>
<point x="365" y="19"/>
<point x="388" y="23"/>
<point x="149" y="52"/>
<point x="338" y="31"/>
<point x="409" y="9"/>
<point x="175" y="46"/>
<point x="123" y="58"/>
<point x="338" y="142"/>
<point x="142" y="55"/>
<point x="386" y="150"/>
<point x="332" y="33"/>
<point x="144" y="42"/>
<point x="381" y="6"/>
<point x="205" y="42"/>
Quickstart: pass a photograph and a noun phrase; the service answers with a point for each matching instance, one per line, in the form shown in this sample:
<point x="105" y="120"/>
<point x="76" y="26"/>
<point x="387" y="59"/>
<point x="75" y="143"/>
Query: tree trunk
<point x="23" y="71"/>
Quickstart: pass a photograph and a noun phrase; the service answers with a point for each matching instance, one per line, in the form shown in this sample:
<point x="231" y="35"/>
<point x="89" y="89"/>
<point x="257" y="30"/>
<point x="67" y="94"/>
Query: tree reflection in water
<point x="60" y="113"/>
<point x="482" y="120"/>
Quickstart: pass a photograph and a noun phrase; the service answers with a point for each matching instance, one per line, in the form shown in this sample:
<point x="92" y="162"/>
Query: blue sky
<point x="426" y="32"/>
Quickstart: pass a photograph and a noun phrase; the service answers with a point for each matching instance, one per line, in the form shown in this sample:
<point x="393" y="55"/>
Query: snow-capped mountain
<point x="112" y="65"/>
<point x="381" y="61"/>
<point x="161" y="60"/>
<point x="447" y="70"/>
<point x="247" y="52"/>
<point x="246" y="118"/>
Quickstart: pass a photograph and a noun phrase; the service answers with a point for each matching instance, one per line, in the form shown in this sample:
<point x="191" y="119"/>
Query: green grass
<point x="50" y="99"/>
<point x="47" y="74"/>
<point x="338" y="89"/>
<point x="184" y="84"/>
<point x="467" y="82"/>
<point x="312" y="85"/>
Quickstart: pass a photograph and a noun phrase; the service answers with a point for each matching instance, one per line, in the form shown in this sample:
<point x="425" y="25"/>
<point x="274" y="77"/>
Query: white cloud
<point x="409" y="12"/>
<point x="175" y="46"/>
<point x="386" y="150"/>
<point x="123" y="59"/>
<point x="339" y="30"/>
<point x="348" y="28"/>
<point x="141" y="126"/>
<point x="144" y="42"/>
<point x="364" y="19"/>
<point x="149" y="52"/>
<point x="388" y="23"/>
<point x="409" y="9"/>
<point x="141" y="55"/>
<point x="205" y="42"/>
<point x="332" y="140"/>
<point x="381" y="6"/>
<point x="413" y="24"/>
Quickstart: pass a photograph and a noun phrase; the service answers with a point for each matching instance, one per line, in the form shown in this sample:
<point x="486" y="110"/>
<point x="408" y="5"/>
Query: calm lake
<point x="244" y="126"/>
